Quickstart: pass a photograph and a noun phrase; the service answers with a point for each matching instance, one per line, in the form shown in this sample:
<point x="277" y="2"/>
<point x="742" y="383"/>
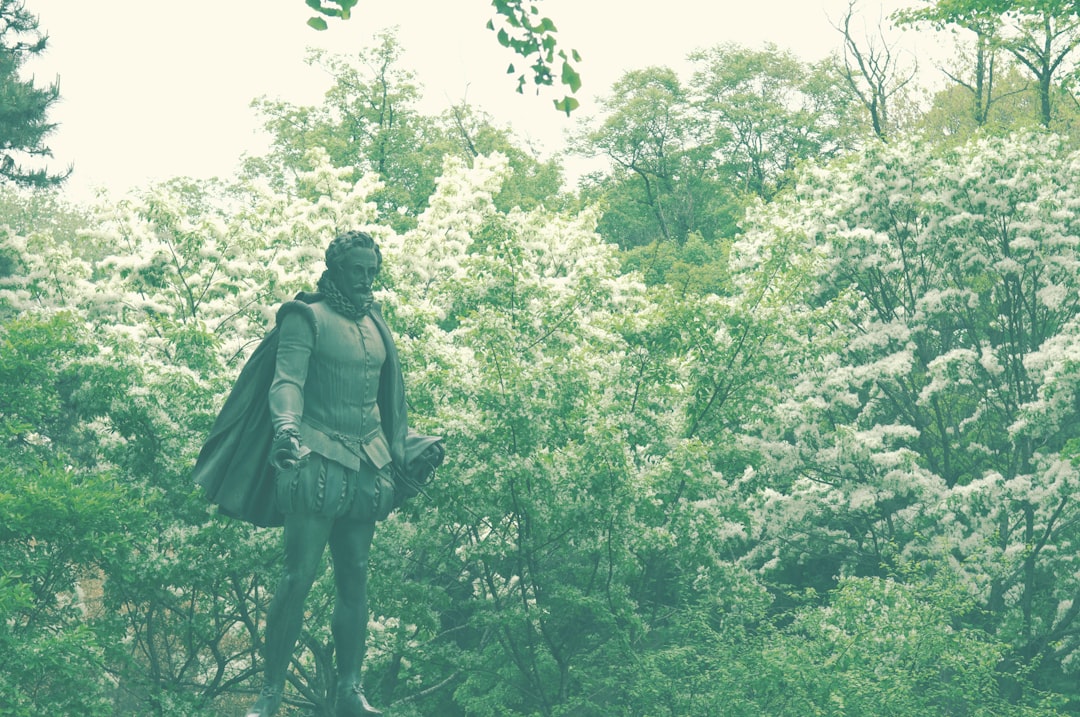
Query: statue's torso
<point x="341" y="409"/>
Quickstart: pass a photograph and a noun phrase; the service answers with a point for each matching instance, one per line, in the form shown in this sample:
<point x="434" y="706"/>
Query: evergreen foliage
<point x="24" y="106"/>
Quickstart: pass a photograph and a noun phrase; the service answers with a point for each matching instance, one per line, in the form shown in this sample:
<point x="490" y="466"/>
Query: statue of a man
<point x="340" y="456"/>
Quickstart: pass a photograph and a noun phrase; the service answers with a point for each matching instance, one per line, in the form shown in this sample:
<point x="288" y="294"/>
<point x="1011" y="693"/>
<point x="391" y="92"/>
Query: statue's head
<point x="353" y="260"/>
<point x="345" y="241"/>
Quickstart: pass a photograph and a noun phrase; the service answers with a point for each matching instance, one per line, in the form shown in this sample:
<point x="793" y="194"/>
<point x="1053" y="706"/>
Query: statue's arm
<point x="296" y="342"/>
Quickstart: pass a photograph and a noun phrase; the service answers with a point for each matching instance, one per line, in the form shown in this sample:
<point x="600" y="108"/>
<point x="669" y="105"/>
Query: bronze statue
<point x="314" y="436"/>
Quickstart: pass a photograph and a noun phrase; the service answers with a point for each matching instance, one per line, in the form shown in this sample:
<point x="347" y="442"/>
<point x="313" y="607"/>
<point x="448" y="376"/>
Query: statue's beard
<point x="361" y="297"/>
<point x="354" y="303"/>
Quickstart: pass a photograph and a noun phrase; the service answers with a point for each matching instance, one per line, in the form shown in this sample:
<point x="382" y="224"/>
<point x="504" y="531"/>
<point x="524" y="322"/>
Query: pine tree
<point x="23" y="105"/>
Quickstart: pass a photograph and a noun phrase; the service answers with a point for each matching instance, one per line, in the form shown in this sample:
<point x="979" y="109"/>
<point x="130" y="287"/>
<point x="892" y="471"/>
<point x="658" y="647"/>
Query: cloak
<point x="233" y="467"/>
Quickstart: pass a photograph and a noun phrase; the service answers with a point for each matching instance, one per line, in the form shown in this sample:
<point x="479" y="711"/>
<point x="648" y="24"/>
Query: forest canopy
<point x="775" y="414"/>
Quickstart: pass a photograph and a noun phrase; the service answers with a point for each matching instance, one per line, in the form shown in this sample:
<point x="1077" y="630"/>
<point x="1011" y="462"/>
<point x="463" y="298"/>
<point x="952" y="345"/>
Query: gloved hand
<point x="432" y="456"/>
<point x="423" y="466"/>
<point x="286" y="451"/>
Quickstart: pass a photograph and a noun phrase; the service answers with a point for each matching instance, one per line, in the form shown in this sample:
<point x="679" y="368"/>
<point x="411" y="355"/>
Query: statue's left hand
<point x="433" y="455"/>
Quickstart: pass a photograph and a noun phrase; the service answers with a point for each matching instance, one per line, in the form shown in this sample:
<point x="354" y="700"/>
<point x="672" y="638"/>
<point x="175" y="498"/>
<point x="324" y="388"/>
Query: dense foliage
<point x="815" y="453"/>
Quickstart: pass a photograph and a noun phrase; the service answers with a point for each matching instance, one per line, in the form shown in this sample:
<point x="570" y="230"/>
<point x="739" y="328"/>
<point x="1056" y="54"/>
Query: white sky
<point x="152" y="90"/>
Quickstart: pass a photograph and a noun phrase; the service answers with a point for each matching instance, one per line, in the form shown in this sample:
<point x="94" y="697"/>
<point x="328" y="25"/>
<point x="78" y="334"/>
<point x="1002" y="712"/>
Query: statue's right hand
<point x="286" y="452"/>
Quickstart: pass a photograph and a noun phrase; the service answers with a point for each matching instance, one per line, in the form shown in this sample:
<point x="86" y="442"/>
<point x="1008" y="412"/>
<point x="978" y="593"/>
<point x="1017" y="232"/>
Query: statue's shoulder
<point x="308" y="305"/>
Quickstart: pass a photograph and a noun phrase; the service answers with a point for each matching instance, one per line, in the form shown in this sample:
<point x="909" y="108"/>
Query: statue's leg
<point x="305" y="538"/>
<point x="350" y="546"/>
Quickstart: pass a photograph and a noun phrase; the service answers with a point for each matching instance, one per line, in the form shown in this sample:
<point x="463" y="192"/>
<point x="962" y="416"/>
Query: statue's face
<point x="355" y="272"/>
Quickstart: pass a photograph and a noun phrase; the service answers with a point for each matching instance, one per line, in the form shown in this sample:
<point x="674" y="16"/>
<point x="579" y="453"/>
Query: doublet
<point x="326" y="384"/>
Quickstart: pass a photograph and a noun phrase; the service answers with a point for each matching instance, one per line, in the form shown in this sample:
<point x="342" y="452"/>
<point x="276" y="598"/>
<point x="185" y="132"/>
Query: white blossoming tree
<point x="931" y="431"/>
<point x="563" y="502"/>
<point x="151" y="313"/>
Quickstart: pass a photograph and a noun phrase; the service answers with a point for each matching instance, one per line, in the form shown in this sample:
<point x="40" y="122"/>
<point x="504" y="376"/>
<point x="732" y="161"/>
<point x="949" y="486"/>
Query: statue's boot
<point x="352" y="703"/>
<point x="268" y="703"/>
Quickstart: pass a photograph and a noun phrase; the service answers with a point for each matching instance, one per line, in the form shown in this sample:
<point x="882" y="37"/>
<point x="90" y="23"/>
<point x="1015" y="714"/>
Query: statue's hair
<point x="349" y="240"/>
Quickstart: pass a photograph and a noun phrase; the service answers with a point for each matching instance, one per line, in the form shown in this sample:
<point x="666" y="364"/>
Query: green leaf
<point x="567" y="104"/>
<point x="504" y="38"/>
<point x="570" y="77"/>
<point x="510" y="69"/>
<point x="317" y="22"/>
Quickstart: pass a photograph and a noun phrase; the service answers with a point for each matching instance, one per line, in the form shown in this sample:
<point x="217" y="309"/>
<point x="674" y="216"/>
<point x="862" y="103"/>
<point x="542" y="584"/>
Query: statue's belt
<point x="350" y="451"/>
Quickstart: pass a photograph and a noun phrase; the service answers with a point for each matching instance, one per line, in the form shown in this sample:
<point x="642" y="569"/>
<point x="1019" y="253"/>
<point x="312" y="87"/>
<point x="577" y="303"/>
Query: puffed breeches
<point x="323" y="487"/>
